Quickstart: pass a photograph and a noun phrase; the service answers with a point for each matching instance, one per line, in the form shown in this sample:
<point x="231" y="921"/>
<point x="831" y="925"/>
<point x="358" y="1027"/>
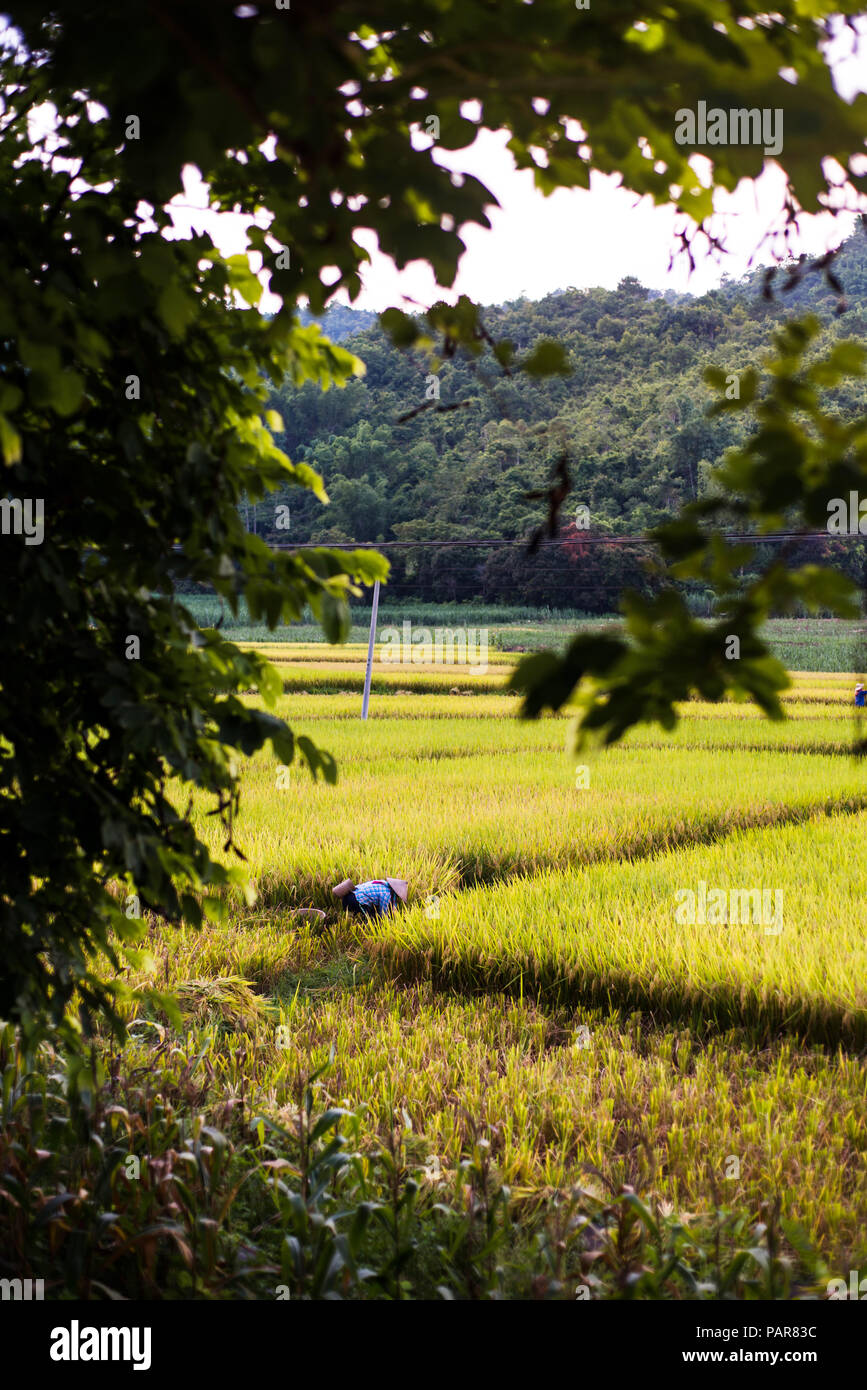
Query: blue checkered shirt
<point x="375" y="896"/>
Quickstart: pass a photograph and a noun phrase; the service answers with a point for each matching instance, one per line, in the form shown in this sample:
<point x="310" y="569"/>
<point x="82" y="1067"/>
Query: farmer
<point x="375" y="898"/>
<point x="860" y="694"/>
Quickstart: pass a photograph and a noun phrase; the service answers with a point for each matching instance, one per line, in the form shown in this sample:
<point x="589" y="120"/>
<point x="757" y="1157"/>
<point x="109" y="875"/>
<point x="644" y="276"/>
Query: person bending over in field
<point x="375" y="898"/>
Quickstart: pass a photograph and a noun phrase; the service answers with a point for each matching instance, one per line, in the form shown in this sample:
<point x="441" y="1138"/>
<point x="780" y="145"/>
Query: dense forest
<point x="630" y="418"/>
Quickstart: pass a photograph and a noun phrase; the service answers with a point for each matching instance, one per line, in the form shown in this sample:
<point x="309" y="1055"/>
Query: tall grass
<point x="659" y="1106"/>
<point x="610" y="933"/>
<point x="126" y="1188"/>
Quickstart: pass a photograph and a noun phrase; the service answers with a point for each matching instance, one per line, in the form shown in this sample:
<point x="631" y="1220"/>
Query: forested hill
<point x="631" y="415"/>
<point x="340" y="321"/>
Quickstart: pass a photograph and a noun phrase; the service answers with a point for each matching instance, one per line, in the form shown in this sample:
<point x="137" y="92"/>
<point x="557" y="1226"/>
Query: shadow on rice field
<point x="539" y="996"/>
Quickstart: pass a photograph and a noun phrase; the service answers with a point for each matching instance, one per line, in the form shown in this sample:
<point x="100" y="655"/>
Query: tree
<point x="133" y="364"/>
<point x="802" y="457"/>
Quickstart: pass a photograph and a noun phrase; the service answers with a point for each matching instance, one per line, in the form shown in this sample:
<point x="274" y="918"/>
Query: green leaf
<point x="317" y="760"/>
<point x="335" y="618"/>
<point x="10" y="396"/>
<point x="66" y="392"/>
<point x="402" y="330"/>
<point x="547" y="359"/>
<point x="176" y="309"/>
<point x="329" y="1119"/>
<point x="10" y="442"/>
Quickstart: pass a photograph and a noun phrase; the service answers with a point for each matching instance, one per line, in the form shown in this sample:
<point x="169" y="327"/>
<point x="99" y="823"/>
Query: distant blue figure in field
<point x="374" y="898"/>
<point x="860" y="694"/>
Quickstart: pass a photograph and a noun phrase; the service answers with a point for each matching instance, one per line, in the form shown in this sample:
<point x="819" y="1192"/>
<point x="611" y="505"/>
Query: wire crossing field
<point x="541" y="983"/>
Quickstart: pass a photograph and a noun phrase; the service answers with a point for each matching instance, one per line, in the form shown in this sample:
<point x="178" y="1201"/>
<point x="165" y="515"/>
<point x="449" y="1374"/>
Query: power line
<point x="736" y="537"/>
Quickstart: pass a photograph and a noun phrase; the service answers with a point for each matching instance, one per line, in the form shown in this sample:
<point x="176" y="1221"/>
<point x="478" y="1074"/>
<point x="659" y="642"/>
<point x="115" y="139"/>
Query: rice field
<point x="802" y="644"/>
<point x="654" y="963"/>
<point x="397" y="796"/>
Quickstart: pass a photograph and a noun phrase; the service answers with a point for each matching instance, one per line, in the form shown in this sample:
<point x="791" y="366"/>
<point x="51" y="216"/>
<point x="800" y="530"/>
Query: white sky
<point x="574" y="237"/>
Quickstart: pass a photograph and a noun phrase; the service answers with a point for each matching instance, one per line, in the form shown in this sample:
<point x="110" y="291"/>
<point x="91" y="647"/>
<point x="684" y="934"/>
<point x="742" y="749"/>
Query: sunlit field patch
<point x="665" y="1108"/>
<point x="615" y="932"/>
<point x="539" y="985"/>
<point x="445" y="803"/>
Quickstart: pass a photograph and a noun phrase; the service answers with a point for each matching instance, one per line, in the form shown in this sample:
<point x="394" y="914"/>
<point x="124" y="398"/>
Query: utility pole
<point x="370" y="645"/>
